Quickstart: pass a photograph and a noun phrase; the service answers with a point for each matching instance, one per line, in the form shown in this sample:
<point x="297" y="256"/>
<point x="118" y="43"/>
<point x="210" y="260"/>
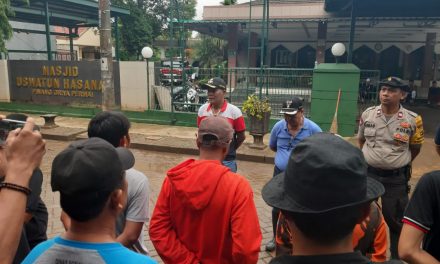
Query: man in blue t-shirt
<point x="284" y="137"/>
<point x="437" y="140"/>
<point x="90" y="176"/>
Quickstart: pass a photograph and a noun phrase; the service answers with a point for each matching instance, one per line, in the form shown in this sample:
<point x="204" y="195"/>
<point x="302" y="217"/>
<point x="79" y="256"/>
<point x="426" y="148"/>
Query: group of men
<point x="323" y="189"/>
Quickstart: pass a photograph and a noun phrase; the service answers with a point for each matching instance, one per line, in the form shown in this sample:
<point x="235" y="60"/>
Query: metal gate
<point x="276" y="84"/>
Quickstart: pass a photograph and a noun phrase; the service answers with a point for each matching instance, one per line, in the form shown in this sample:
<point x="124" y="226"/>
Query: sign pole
<point x="108" y="89"/>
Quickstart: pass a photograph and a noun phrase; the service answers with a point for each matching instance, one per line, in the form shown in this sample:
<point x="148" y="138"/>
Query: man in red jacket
<point x="205" y="213"/>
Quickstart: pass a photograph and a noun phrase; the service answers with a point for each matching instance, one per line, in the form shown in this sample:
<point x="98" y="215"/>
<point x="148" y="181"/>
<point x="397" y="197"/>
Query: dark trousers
<point x="394" y="202"/>
<point x="275" y="211"/>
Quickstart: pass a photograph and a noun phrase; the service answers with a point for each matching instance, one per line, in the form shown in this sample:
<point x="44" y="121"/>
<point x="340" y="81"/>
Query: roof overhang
<point x="65" y="13"/>
<point x="385" y="8"/>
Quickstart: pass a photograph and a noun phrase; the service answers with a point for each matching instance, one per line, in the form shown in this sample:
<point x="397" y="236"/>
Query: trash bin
<point x="328" y="78"/>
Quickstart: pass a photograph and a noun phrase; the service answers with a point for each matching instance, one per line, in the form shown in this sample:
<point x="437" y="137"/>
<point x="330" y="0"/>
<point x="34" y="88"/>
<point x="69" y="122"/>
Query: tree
<point x="229" y="2"/>
<point x="136" y="32"/>
<point x="210" y="51"/>
<point x="5" y="27"/>
<point x="148" y="21"/>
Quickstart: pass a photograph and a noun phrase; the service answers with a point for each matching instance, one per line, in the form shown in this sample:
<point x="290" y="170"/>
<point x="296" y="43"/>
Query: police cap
<point x="394" y="82"/>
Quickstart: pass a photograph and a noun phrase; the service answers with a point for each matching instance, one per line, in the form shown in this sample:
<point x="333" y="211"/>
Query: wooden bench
<point x="49" y="120"/>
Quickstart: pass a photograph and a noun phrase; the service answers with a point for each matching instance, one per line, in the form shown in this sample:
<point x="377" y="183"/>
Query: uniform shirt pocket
<point x="370" y="134"/>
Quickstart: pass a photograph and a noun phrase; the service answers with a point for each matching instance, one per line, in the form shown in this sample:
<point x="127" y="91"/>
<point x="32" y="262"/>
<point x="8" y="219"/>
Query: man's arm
<point x="137" y="212"/>
<point x="417" y="138"/>
<point x="245" y="228"/>
<point x="361" y="142"/>
<point x="131" y="233"/>
<point x="415" y="150"/>
<point x="273" y="138"/>
<point x="239" y="127"/>
<point x="360" y="136"/>
<point x="418" y="219"/>
<point x="162" y="234"/>
<point x="410" y="249"/>
<point x="24" y="150"/>
<point x="437" y="140"/>
<point x="241" y="136"/>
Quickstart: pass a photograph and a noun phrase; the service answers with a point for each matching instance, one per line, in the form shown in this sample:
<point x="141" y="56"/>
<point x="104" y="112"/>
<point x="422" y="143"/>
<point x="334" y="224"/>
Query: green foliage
<point x="148" y="21"/>
<point x="5" y="27"/>
<point x="210" y="51"/>
<point x="136" y="31"/>
<point x="253" y="106"/>
<point x="229" y="2"/>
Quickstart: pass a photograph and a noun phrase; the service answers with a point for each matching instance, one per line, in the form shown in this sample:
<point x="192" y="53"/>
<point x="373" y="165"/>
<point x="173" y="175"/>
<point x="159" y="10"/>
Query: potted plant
<point x="258" y="111"/>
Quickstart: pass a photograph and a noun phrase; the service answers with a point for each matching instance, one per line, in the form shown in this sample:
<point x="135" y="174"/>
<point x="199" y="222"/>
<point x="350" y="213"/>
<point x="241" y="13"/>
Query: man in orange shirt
<point x="205" y="213"/>
<point x="369" y="237"/>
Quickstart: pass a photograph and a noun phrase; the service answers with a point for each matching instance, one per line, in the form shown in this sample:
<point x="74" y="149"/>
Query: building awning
<point x="385" y="8"/>
<point x="65" y="13"/>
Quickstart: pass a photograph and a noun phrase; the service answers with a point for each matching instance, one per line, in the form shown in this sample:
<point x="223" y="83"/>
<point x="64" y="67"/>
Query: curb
<point x="71" y="134"/>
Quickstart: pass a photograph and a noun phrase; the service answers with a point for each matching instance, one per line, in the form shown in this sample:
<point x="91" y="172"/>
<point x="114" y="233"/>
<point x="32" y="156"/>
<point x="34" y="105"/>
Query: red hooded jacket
<point x="205" y="214"/>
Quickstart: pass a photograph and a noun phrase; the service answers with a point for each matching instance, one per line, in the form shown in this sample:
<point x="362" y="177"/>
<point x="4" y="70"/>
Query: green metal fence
<point x="276" y="84"/>
<point x="368" y="89"/>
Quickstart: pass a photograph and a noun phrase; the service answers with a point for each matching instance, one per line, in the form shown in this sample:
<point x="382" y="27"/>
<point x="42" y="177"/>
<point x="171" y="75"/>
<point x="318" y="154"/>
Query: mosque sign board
<point x="59" y="82"/>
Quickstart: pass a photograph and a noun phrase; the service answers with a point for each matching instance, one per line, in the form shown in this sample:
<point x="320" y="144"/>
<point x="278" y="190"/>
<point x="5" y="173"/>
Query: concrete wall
<point x="134" y="85"/>
<point x="4" y="82"/>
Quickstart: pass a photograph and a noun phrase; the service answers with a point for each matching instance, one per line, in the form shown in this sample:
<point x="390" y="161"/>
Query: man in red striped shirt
<point x="218" y="106"/>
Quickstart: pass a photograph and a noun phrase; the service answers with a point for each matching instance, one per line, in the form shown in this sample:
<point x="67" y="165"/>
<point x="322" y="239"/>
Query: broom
<point x="334" y="126"/>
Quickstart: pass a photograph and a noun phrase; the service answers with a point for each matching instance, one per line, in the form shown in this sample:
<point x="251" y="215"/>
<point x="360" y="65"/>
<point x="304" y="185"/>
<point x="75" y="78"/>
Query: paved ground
<point x="155" y="164"/>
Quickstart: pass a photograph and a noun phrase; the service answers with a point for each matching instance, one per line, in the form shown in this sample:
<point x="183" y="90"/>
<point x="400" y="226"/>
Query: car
<point x="177" y="72"/>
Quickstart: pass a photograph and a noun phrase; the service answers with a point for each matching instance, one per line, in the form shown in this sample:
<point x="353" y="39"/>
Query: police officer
<point x="390" y="137"/>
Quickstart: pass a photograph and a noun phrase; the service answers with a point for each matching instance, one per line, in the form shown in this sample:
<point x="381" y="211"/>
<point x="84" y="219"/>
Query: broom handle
<point x="337" y="102"/>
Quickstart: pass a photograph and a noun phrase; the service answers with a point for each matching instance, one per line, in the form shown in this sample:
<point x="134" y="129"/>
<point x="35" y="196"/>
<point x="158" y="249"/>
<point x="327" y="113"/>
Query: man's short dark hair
<point x="329" y="227"/>
<point x="83" y="208"/>
<point x="110" y="126"/>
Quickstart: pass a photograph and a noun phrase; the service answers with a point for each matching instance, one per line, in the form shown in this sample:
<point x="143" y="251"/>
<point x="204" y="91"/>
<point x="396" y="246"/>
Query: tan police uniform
<point x="387" y="152"/>
<point x="387" y="142"/>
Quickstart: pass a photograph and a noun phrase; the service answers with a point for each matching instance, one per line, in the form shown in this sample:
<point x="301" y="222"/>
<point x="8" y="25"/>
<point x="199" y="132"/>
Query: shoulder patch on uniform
<point x="411" y="113"/>
<point x="370" y="108"/>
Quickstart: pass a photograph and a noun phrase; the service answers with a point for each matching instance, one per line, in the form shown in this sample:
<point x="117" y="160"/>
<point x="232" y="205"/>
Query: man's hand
<point x="24" y="150"/>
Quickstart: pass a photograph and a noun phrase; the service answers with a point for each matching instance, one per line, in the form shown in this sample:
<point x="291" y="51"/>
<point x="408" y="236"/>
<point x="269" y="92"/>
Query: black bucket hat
<point x="324" y="173"/>
<point x="394" y="82"/>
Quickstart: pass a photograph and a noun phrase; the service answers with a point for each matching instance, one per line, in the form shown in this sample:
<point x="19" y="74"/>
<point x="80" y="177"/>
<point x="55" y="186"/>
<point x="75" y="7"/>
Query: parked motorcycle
<point x="188" y="97"/>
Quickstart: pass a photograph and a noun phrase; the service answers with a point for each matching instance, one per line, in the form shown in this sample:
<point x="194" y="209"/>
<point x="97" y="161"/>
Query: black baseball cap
<point x="215" y="83"/>
<point x="324" y="173"/>
<point x="291" y="107"/>
<point x="90" y="166"/>
<point x="394" y="82"/>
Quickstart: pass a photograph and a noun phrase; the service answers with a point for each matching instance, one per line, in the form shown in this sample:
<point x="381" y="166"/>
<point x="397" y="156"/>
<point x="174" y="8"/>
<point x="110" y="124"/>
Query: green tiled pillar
<point x="328" y="78"/>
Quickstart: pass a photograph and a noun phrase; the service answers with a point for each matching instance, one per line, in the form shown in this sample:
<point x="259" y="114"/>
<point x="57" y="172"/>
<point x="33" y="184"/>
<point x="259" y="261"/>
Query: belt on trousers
<point x="388" y="173"/>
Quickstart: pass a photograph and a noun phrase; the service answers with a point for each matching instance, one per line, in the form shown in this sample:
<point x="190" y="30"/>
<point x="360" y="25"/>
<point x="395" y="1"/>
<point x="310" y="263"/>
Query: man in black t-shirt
<point x="323" y="193"/>
<point x="422" y="223"/>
